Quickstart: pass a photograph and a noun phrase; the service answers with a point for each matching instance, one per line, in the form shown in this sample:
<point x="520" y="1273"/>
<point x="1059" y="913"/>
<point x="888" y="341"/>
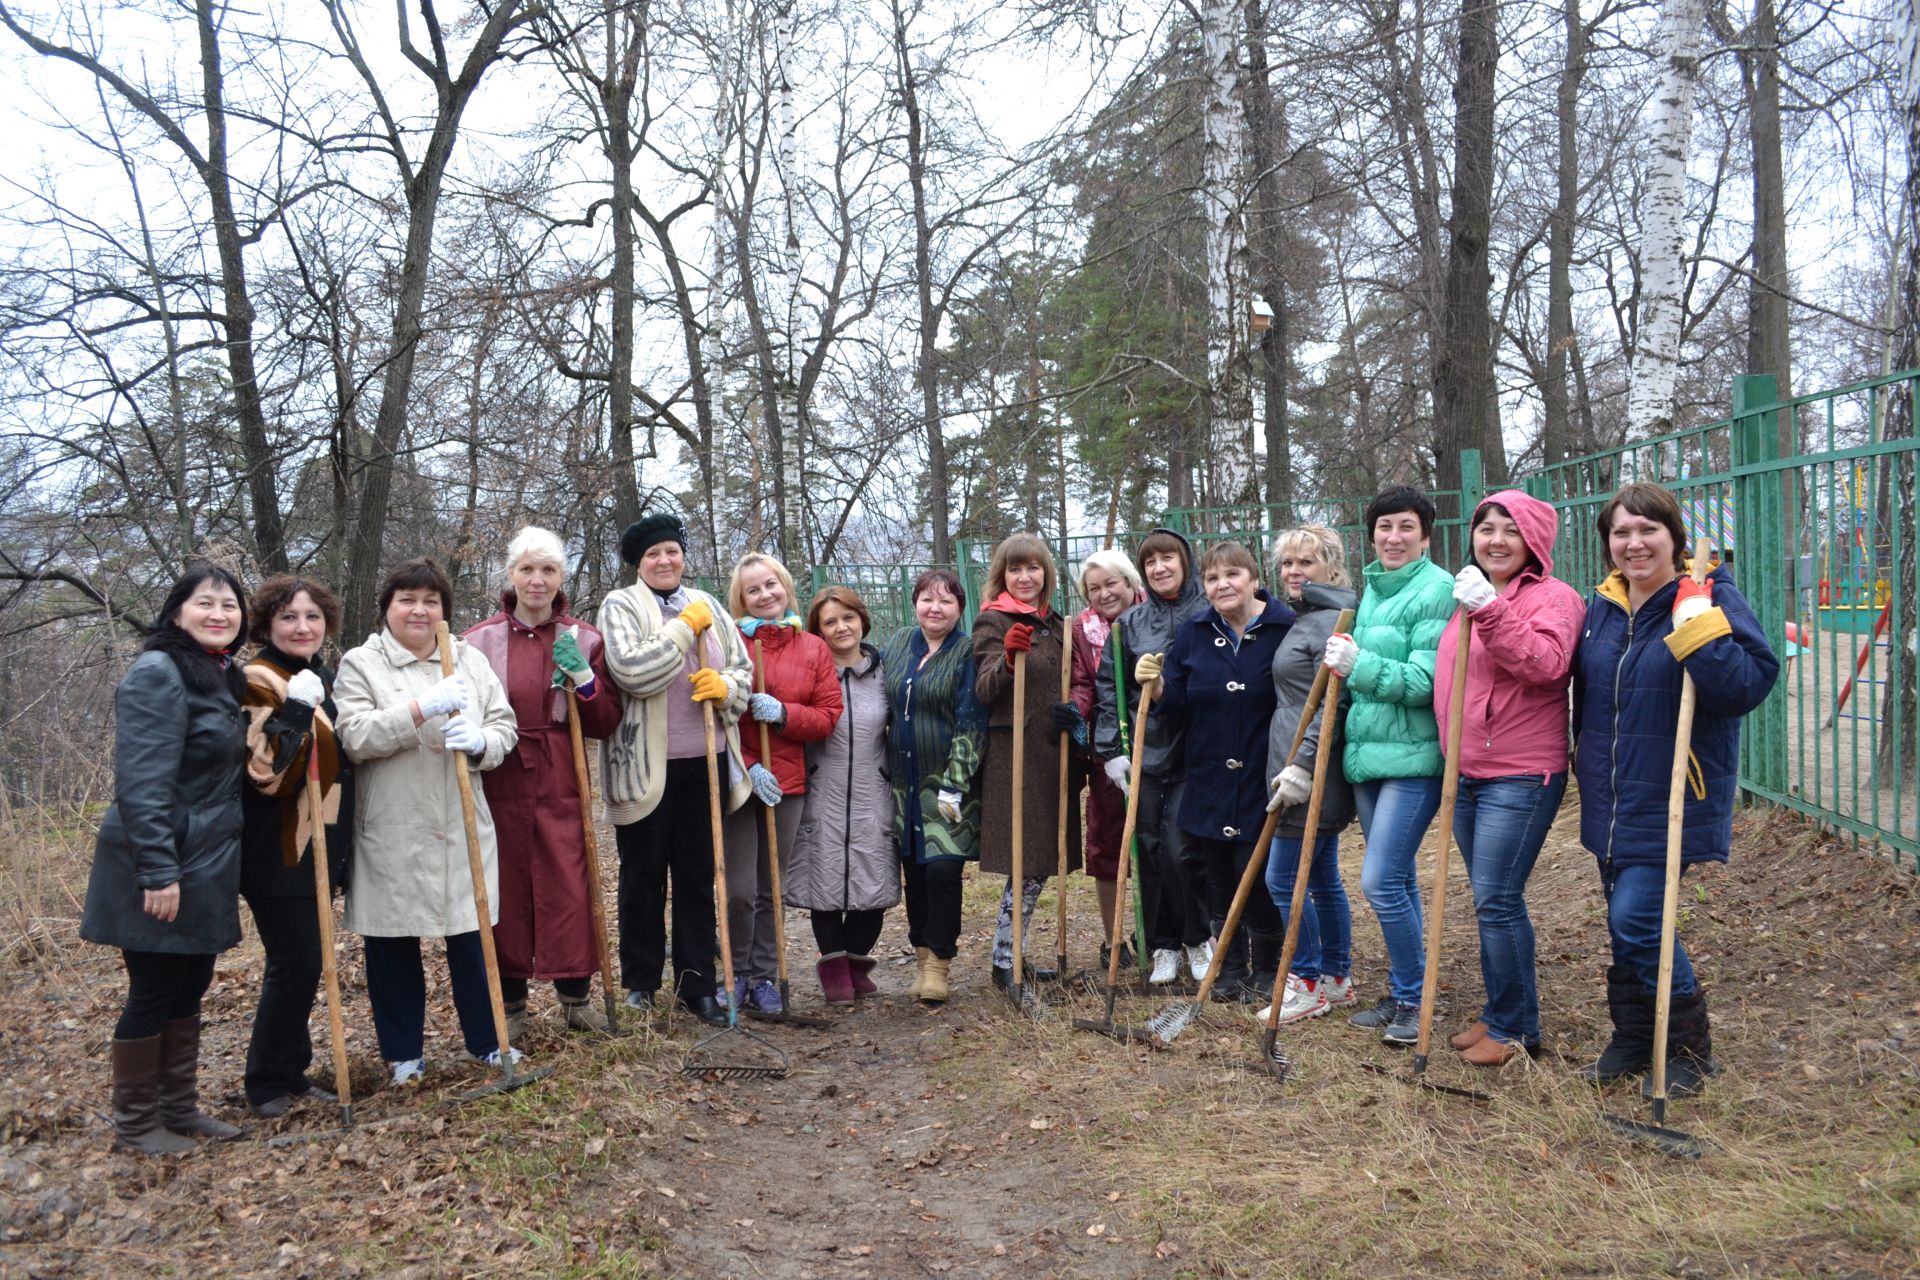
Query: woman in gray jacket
<point x="843" y="866"/>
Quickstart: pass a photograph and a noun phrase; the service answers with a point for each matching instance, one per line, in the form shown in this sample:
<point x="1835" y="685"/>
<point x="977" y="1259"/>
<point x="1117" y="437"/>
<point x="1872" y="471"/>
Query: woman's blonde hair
<point x="1110" y="560"/>
<point x="1324" y="543"/>
<point x="737" y="593"/>
<point x="1020" y="548"/>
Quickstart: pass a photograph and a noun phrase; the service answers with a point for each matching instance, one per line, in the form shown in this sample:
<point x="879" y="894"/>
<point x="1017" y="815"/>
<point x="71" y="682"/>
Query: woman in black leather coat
<point x="166" y="867"/>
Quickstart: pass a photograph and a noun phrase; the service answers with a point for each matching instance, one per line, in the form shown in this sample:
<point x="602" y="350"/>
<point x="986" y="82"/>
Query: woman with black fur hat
<point x="669" y="647"/>
<point x="165" y="885"/>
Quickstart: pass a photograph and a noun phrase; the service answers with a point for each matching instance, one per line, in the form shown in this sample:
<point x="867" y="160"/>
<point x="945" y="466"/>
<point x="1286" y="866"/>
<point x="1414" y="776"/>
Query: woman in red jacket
<point x="546" y="907"/>
<point x="797" y="696"/>
<point x="1111" y="586"/>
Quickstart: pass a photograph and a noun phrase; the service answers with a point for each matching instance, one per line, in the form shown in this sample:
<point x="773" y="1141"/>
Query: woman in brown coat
<point x="1020" y="616"/>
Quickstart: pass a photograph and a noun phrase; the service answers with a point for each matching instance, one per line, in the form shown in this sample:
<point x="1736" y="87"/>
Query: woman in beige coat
<point x="400" y="723"/>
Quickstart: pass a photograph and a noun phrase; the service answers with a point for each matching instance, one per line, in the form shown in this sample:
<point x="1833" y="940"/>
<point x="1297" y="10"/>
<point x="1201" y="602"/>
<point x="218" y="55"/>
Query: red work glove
<point x="1019" y="640"/>
<point x="1691" y="600"/>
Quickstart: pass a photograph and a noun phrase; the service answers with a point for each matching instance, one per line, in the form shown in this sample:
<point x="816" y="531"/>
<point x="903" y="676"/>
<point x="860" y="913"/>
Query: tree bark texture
<point x="1229" y="411"/>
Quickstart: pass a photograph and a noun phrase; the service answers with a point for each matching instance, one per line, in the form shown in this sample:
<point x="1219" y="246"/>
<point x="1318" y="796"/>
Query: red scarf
<point x="1005" y="602"/>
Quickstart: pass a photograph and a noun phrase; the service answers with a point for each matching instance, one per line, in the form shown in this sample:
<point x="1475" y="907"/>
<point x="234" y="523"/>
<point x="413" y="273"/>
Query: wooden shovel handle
<point x="1449" y="792"/>
<point x="1126" y="831"/>
<point x="323" y="899"/>
<point x="1066" y="763"/>
<point x="583" y="781"/>
<point x="1019" y="807"/>
<point x="1322" y="768"/>
<point x="773" y="826"/>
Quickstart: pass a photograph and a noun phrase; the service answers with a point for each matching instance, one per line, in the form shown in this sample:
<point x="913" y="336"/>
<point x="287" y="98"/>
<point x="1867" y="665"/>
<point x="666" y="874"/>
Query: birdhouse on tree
<point x="1259" y="316"/>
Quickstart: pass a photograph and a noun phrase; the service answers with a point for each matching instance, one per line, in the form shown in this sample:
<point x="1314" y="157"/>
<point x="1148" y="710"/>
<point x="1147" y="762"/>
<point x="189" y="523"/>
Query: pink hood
<point x="1521" y="660"/>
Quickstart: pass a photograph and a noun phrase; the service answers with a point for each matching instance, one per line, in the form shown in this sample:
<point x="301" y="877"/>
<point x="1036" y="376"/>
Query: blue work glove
<point x="767" y="709"/>
<point x="766" y="787"/>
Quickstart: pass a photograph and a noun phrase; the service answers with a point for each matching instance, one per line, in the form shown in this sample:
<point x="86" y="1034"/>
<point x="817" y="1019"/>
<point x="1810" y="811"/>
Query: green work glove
<point x="569" y="664"/>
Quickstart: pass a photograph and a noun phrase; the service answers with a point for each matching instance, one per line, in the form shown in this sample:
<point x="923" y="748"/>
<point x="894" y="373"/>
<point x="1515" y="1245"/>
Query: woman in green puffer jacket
<point x="1392" y="754"/>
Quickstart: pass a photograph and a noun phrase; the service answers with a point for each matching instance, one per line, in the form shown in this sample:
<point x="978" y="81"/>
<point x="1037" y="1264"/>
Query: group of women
<point x="876" y="769"/>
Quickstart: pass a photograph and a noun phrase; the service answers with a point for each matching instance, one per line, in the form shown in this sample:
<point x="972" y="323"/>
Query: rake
<point x="1023" y="996"/>
<point x="712" y="1057"/>
<point x="1105" y="1026"/>
<point x="595" y="898"/>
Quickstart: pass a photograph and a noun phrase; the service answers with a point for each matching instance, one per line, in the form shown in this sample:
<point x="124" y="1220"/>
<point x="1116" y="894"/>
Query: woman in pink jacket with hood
<point x="1513" y="748"/>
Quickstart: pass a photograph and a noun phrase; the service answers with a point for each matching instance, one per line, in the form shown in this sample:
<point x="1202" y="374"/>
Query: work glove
<point x="1019" y="640"/>
<point x="1119" y="772"/>
<point x="697" y="616"/>
<point x="767" y="709"/>
<point x="570" y="665"/>
<point x="766" y="787"/>
<point x="306" y="687"/>
<point x="1692" y="600"/>
<point x="1290" y="786"/>
<point x="1068" y="720"/>
<point x="949" y="805"/>
<point x="708" y="685"/>
<point x="1147" y="670"/>
<point x="444" y="698"/>
<point x="462" y="734"/>
<point x="1472" y="590"/>
<point x="1340" y="654"/>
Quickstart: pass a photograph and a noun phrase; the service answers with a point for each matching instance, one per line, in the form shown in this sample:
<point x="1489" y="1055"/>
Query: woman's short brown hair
<point x="277" y="592"/>
<point x="1230" y="555"/>
<point x="846" y="598"/>
<point x="422" y="573"/>
<point x="945" y="579"/>
<point x="1649" y="501"/>
<point x="1019" y="549"/>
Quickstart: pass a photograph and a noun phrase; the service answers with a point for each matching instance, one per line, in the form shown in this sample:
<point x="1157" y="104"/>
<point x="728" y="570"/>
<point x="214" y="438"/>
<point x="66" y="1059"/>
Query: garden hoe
<point x="1105" y="1026"/>
<point x="511" y="1078"/>
<point x="1167" y="1025"/>
<point x="786" y="1013"/>
<point x="708" y="1057"/>
<point x="1671" y="1142"/>
<point x="1023" y="997"/>
<point x="595" y="896"/>
<point x="1449" y="793"/>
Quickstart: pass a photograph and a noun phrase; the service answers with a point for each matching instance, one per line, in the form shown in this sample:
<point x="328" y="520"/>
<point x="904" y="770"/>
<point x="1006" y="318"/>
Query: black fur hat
<point x="648" y="530"/>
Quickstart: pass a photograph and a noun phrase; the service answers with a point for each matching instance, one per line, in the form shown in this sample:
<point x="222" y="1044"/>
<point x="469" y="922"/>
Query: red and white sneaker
<point x="1338" y="992"/>
<point x="1303" y="1000"/>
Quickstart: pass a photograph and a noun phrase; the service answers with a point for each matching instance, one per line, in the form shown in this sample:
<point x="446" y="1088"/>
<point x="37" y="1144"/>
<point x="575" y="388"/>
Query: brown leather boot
<point x="1472" y="1036"/>
<point x="180" y="1084"/>
<point x="1488" y="1052"/>
<point x="136" y="1101"/>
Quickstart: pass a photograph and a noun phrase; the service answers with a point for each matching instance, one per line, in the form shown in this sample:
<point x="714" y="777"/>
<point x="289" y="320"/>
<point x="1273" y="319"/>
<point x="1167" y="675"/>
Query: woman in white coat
<point x="400" y="723"/>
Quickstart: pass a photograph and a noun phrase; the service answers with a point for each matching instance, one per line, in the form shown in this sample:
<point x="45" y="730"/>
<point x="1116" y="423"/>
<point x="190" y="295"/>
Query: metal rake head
<point x="1172" y="1020"/>
<point x="709" y="1062"/>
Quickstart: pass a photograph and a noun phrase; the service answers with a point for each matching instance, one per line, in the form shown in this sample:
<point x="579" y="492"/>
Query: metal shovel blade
<point x="1671" y="1142"/>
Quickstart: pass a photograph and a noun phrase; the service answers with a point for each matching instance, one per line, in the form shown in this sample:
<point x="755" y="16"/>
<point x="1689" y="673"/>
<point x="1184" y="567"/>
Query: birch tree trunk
<point x="1229" y="411"/>
<point x="792" y="436"/>
<point x="1663" y="208"/>
<point x="1900" y="752"/>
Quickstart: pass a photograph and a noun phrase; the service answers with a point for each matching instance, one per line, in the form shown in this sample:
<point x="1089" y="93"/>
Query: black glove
<point x="1067" y="719"/>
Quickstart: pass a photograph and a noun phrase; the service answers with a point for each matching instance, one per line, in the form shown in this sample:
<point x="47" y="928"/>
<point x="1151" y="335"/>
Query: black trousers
<point x="281" y="1048"/>
<point x="161" y="987"/>
<point x="1173" y="878"/>
<point x="933" y="904"/>
<point x="676" y="838"/>
<point x="1256" y="943"/>
<point x="853" y="932"/>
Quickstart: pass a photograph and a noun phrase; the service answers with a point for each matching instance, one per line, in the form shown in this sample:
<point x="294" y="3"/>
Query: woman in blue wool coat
<point x="1216" y="675"/>
<point x="1645" y="626"/>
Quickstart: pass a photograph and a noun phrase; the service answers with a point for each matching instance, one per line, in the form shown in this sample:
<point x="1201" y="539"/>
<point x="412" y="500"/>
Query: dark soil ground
<point x="910" y="1141"/>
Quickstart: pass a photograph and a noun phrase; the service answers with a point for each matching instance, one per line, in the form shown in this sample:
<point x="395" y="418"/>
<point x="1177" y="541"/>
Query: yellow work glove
<point x="1147" y="670"/>
<point x="708" y="685"/>
<point x="697" y="616"/>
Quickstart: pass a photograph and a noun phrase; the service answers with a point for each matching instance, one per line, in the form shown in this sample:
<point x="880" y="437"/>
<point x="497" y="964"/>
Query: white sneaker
<point x="1198" y="958"/>
<point x="408" y="1073"/>
<point x="1166" y="967"/>
<point x="493" y="1059"/>
<point x="1303" y="1000"/>
<point x="1338" y="992"/>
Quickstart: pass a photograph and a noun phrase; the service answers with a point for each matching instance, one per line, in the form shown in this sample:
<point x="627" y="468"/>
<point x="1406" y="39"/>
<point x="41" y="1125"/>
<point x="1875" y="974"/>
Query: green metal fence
<point x="1821" y="543"/>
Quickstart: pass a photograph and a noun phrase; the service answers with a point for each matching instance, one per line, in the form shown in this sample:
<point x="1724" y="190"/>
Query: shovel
<point x="1066" y="760"/>
<point x="1105" y="1026"/>
<point x="1672" y="1142"/>
<point x="786" y="1014"/>
<point x="594" y="895"/>
<point x="323" y="893"/>
<point x="1449" y="793"/>
<point x="709" y="1056"/>
<point x="1023" y="999"/>
<point x="510" y="1077"/>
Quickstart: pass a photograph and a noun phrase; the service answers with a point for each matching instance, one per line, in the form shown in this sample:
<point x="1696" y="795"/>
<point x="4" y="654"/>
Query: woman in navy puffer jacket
<point x="1646" y="625"/>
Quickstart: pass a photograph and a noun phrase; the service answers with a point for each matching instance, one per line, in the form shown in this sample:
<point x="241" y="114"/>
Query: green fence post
<point x="1473" y="483"/>
<point x="1763" y="561"/>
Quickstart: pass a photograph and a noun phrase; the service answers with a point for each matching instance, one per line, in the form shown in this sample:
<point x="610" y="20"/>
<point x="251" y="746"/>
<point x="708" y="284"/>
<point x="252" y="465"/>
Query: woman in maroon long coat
<point x="546" y="913"/>
<point x="1111" y="586"/>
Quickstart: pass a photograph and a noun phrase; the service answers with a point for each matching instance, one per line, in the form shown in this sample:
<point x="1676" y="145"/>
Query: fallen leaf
<point x="1112" y="1196"/>
<point x="1097" y="1229"/>
<point x="1040" y="1122"/>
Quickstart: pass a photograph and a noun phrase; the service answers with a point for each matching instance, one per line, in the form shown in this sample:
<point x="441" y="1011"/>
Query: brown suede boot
<point x="1472" y="1036"/>
<point x="136" y="1101"/>
<point x="933" y="982"/>
<point x="180" y="1084"/>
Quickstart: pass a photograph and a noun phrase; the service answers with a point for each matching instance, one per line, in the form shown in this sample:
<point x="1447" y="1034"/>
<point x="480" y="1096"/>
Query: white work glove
<point x="1120" y="773"/>
<point x="462" y="734"/>
<point x="767" y="709"/>
<point x="1340" y="654"/>
<point x="1290" y="786"/>
<point x="949" y="805"/>
<point x="445" y="698"/>
<point x="766" y="787"/>
<point x="1472" y="590"/>
<point x="306" y="687"/>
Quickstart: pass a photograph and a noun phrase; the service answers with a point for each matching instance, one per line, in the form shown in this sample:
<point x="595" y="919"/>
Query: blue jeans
<point x="1326" y="932"/>
<point x="1394" y="815"/>
<point x="1500" y="824"/>
<point x="1635" y="895"/>
<point x="397" y="989"/>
